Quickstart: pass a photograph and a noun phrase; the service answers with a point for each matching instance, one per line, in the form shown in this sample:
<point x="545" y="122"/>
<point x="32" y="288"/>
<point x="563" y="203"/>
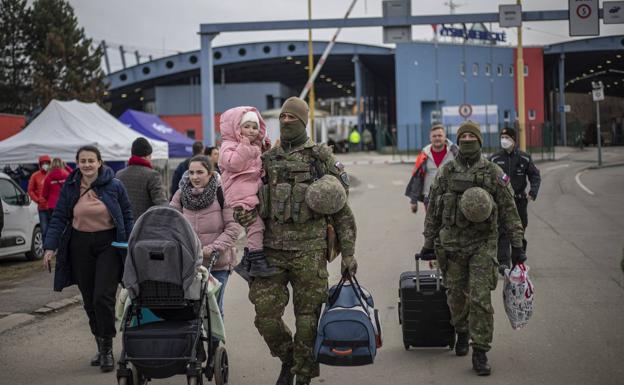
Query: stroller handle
<point x="214" y="256"/>
<point x="120" y="245"/>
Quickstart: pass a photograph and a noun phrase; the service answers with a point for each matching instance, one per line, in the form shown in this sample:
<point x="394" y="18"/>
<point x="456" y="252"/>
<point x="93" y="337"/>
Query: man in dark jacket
<point x="198" y="149"/>
<point x="519" y="166"/>
<point x="143" y="183"/>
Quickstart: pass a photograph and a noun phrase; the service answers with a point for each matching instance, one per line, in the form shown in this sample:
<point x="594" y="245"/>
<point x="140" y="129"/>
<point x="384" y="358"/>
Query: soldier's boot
<point x="107" y="361"/>
<point x="302" y="380"/>
<point x="259" y="265"/>
<point x="244" y="266"/>
<point x="462" y="344"/>
<point x="286" y="377"/>
<point x="95" y="361"/>
<point x="480" y="362"/>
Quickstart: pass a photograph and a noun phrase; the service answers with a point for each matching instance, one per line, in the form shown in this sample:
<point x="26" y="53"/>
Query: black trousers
<point x="504" y="243"/>
<point x="96" y="266"/>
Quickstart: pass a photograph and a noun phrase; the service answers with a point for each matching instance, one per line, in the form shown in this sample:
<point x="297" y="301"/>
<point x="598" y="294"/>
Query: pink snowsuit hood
<point x="239" y="162"/>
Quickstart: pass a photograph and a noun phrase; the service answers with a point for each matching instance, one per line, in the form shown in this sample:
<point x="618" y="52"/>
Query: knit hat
<point x="297" y="107"/>
<point x="509" y="132"/>
<point x="472" y="127"/>
<point x="250" y="116"/>
<point x="141" y="147"/>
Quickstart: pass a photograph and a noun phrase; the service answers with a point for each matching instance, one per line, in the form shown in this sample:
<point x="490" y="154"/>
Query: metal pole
<point x="321" y="61"/>
<point x="562" y="114"/>
<point x="137" y="57"/>
<point x="207" y="89"/>
<point x="123" y="56"/>
<point x="358" y="92"/>
<point x="106" y="61"/>
<point x="310" y="72"/>
<point x="520" y="86"/>
<point x="598" y="134"/>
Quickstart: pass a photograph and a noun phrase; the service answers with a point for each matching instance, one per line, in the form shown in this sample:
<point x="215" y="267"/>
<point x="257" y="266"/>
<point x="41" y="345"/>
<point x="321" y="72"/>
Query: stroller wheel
<point x="137" y="377"/>
<point x="221" y="366"/>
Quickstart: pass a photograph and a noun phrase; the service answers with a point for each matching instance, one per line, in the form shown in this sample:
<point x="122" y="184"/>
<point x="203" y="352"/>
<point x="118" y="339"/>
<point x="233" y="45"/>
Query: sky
<point x="164" y="27"/>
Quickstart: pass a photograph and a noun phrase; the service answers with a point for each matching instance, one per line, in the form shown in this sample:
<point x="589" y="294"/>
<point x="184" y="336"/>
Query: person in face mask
<point x="520" y="167"/>
<point x="296" y="241"/>
<point x="35" y="191"/>
<point x="465" y="244"/>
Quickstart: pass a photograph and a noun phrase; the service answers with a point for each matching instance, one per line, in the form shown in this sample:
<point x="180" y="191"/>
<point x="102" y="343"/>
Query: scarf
<point x="292" y="134"/>
<point x="138" y="161"/>
<point x="195" y="199"/>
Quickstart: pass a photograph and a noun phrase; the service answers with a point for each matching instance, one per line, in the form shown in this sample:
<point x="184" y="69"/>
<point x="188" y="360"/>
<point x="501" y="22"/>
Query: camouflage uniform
<point x="465" y="250"/>
<point x="295" y="241"/>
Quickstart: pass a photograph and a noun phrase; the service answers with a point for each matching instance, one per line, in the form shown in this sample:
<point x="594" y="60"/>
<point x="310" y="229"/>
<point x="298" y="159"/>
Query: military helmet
<point x="326" y="195"/>
<point x="476" y="204"/>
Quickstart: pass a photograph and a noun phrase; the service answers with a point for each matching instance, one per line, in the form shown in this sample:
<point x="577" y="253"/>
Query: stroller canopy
<point x="162" y="247"/>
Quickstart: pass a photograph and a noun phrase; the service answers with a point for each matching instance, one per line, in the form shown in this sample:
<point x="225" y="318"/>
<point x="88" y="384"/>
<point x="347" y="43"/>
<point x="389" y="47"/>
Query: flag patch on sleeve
<point x="503" y="179"/>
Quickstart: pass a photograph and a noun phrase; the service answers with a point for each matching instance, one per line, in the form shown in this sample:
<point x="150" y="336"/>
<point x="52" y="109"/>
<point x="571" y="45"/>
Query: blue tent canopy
<point x="153" y="127"/>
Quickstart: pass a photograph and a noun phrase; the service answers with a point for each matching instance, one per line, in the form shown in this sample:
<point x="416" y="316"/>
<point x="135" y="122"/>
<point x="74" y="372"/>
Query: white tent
<point x="63" y="127"/>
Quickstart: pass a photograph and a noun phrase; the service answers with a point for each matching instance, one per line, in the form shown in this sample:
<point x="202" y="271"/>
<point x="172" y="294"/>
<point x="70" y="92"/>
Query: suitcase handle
<point x="426" y="257"/>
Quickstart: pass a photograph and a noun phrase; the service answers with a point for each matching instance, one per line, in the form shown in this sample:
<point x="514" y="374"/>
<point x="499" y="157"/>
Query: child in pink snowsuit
<point x="243" y="132"/>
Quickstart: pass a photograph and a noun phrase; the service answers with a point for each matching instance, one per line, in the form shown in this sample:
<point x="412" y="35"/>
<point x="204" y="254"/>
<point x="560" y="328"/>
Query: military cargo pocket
<point x="263" y="197"/>
<point x="280" y="202"/>
<point x="300" y="212"/>
<point x="494" y="275"/>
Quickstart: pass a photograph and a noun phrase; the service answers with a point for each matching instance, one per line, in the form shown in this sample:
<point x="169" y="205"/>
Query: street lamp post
<point x="598" y="95"/>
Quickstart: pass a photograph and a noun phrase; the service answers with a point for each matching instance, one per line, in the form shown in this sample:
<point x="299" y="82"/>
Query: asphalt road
<point x="576" y="335"/>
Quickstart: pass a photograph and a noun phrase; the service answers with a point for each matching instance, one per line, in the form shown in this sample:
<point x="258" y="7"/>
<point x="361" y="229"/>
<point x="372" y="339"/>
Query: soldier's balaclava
<point x="470" y="150"/>
<point x="294" y="133"/>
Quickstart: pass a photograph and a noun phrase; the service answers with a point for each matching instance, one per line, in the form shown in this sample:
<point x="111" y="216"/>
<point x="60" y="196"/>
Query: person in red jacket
<point x="35" y="190"/>
<point x="53" y="183"/>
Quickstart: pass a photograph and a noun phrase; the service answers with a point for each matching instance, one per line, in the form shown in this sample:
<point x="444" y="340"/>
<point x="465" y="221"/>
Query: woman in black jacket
<point x="93" y="211"/>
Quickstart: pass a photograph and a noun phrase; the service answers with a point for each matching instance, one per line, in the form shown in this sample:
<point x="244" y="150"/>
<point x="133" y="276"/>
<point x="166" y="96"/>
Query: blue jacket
<point x="114" y="196"/>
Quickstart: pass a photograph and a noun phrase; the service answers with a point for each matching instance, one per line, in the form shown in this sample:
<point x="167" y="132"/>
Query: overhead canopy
<point x="153" y="127"/>
<point x="63" y="127"/>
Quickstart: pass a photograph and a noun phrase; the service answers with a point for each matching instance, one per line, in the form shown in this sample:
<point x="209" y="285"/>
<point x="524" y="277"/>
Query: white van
<point x="21" y="233"/>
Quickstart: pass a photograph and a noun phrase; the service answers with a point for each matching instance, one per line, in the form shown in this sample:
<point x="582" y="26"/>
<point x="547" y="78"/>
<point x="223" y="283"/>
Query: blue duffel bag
<point x="349" y="332"/>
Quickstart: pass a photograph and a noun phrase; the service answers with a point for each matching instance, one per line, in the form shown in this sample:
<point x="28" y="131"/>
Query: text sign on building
<point x="613" y="12"/>
<point x="510" y="15"/>
<point x="583" y="15"/>
<point x="392" y="9"/>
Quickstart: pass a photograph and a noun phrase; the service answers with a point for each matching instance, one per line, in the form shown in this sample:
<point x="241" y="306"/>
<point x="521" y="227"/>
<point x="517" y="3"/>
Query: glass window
<point x="9" y="192"/>
<point x="526" y="70"/>
<point x="462" y="68"/>
<point x="507" y="116"/>
<point x="499" y="70"/>
<point x="511" y="70"/>
<point x="475" y="69"/>
<point x="488" y="69"/>
<point x="532" y="114"/>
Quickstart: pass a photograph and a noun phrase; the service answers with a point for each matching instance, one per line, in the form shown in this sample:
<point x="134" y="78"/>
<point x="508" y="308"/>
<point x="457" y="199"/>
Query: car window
<point x="9" y="192"/>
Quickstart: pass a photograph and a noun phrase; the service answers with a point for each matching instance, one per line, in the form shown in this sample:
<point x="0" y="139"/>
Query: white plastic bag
<point x="518" y="296"/>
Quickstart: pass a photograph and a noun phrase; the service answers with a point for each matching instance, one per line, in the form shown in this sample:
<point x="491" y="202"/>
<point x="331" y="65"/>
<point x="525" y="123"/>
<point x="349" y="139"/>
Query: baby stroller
<point x="168" y="326"/>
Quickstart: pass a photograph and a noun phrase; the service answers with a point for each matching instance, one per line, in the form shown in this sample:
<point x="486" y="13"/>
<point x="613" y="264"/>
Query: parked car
<point x="21" y="233"/>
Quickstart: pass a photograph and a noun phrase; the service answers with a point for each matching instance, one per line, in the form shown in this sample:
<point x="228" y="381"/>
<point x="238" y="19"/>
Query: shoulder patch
<point x="339" y="166"/>
<point x="503" y="179"/>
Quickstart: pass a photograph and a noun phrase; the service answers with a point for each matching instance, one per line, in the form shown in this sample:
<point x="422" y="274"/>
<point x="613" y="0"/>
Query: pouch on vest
<point x="300" y="212"/>
<point x="280" y="202"/>
<point x="461" y="182"/>
<point x="448" y="210"/>
<point x="263" y="198"/>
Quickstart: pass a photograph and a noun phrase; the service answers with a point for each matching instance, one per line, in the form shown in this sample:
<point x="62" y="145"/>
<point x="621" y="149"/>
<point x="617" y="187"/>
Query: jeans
<point x="44" y="219"/>
<point x="222" y="276"/>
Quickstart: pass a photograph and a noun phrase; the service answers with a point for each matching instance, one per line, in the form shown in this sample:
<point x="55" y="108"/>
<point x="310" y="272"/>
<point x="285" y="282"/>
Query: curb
<point x="14" y="320"/>
<point x="605" y="166"/>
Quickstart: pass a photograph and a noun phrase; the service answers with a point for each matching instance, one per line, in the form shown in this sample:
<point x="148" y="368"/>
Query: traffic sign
<point x="613" y="12"/>
<point x="583" y="17"/>
<point x="598" y="94"/>
<point x="465" y="110"/>
<point x="509" y="15"/>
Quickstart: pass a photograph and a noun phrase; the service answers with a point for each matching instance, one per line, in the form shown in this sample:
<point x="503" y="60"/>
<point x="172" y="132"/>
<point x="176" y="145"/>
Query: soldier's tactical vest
<point x="290" y="223"/>
<point x="457" y="231"/>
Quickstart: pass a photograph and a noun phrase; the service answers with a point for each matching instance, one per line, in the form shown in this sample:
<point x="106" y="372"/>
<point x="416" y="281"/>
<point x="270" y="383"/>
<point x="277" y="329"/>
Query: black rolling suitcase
<point x="424" y="315"/>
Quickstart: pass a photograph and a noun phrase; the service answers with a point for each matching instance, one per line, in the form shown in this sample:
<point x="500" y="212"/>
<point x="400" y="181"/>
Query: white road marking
<point x="398" y="182"/>
<point x="558" y="166"/>
<point x="581" y="185"/>
<point x="371" y="186"/>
